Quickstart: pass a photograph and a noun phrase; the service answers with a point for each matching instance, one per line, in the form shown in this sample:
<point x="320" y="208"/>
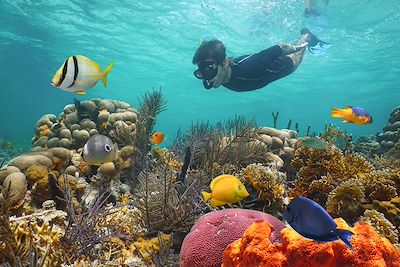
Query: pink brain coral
<point x="206" y="242"/>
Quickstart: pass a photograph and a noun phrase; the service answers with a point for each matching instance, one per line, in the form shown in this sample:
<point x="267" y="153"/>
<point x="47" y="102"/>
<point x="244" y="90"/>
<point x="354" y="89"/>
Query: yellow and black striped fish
<point x="79" y="73"/>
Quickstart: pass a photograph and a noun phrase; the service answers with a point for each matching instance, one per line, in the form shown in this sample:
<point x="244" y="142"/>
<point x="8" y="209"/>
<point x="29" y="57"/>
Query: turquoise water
<point x="153" y="42"/>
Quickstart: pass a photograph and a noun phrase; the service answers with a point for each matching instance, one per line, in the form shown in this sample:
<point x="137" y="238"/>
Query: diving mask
<point x="207" y="70"/>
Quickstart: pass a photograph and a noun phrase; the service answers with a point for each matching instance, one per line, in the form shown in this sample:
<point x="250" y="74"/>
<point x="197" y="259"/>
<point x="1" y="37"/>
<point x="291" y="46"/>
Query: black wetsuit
<point x="255" y="71"/>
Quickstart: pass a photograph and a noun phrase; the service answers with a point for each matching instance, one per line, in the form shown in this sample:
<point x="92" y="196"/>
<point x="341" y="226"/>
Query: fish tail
<point x="105" y="73"/>
<point x="345" y="236"/>
<point x="206" y="196"/>
<point x="337" y="113"/>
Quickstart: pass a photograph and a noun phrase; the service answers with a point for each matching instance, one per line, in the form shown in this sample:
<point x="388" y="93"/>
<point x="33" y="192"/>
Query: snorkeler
<point x="251" y="72"/>
<point x="310" y="7"/>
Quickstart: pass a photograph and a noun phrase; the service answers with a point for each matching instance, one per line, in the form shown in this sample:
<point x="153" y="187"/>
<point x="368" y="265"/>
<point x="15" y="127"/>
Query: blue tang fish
<point x="310" y="220"/>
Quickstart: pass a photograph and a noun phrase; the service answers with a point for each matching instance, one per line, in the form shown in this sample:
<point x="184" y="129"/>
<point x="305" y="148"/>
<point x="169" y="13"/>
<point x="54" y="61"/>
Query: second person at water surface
<point x="251" y="72"/>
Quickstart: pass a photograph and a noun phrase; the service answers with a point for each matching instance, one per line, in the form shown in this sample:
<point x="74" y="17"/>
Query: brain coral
<point x="205" y="244"/>
<point x="255" y="249"/>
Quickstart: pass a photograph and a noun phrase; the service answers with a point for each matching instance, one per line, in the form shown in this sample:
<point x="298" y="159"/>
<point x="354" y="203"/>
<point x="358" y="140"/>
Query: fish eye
<point x="107" y="147"/>
<point x="239" y="187"/>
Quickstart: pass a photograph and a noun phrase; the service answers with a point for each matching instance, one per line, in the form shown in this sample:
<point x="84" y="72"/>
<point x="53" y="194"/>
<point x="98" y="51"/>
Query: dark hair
<point x="213" y="49"/>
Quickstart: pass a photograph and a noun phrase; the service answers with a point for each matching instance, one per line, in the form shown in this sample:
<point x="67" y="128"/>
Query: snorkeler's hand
<point x="221" y="74"/>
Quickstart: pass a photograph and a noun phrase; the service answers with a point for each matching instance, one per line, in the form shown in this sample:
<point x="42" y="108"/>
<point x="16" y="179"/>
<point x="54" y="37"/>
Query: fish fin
<point x="345" y="236"/>
<point x="80" y="93"/>
<point x="215" y="203"/>
<point x="105" y="73"/>
<point x="345" y="121"/>
<point x="206" y="195"/>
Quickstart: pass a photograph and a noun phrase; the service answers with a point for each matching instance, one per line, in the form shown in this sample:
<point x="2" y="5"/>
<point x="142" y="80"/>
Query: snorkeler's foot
<point x="315" y="45"/>
<point x="311" y="12"/>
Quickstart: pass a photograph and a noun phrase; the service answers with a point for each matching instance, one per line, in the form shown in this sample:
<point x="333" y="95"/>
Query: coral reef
<point x="390" y="137"/>
<point x="256" y="249"/>
<point x="381" y="225"/>
<point x="320" y="171"/>
<point x="268" y="187"/>
<point x="83" y="119"/>
<point x="205" y="243"/>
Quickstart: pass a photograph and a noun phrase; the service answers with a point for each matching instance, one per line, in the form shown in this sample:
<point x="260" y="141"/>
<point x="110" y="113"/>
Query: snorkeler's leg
<point x="297" y="56"/>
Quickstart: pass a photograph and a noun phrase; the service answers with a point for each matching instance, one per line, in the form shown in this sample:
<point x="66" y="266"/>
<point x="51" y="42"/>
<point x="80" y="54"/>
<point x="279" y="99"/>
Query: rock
<point x="66" y="133"/>
<point x="93" y="132"/>
<point x="4" y="172"/>
<point x="80" y="136"/>
<point x="35" y="173"/>
<point x="65" y="142"/>
<point x="71" y="118"/>
<point x="47" y="119"/>
<point x="266" y="139"/>
<point x="276" y="143"/>
<point x="87" y="124"/>
<point x="53" y="142"/>
<point x="42" y="141"/>
<point x="275" y="160"/>
<point x="274" y="132"/>
<point x="106" y="104"/>
<point x="69" y="109"/>
<point x="89" y="106"/>
<point x="61" y="153"/>
<point x="74" y="127"/>
<point x="107" y="169"/>
<point x="71" y="170"/>
<point x="126" y="152"/>
<point x="205" y="244"/>
<point x="24" y="161"/>
<point x="103" y="117"/>
<point x="18" y="188"/>
<point x="289" y="151"/>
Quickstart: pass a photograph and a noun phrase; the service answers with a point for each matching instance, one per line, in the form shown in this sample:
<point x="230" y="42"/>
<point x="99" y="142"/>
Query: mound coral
<point x="256" y="249"/>
<point x="382" y="225"/>
<point x="268" y="184"/>
<point x="205" y="243"/>
<point x="346" y="200"/>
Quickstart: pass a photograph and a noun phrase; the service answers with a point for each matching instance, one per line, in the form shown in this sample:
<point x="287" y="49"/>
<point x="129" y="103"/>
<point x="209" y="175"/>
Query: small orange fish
<point x="103" y="126"/>
<point x="157" y="138"/>
<point x="352" y="114"/>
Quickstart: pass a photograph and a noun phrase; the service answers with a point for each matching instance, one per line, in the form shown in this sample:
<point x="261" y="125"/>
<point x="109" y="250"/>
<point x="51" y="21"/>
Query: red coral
<point x="255" y="249"/>
<point x="205" y="244"/>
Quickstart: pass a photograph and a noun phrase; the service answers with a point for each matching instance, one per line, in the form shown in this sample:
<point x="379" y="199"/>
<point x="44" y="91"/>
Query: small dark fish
<point x="310" y="220"/>
<point x="314" y="142"/>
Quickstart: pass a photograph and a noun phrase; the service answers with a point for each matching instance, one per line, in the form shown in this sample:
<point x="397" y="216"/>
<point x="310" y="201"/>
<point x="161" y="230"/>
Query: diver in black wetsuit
<point x="251" y="72"/>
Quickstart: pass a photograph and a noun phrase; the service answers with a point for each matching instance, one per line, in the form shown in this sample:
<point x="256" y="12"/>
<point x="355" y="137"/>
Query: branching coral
<point x="390" y="208"/>
<point x="151" y="105"/>
<point x="268" y="185"/>
<point x="378" y="186"/>
<point x="23" y="242"/>
<point x="382" y="225"/>
<point x="164" y="205"/>
<point x="232" y="142"/>
<point x="319" y="171"/>
<point x="346" y="200"/>
<point x="337" y="136"/>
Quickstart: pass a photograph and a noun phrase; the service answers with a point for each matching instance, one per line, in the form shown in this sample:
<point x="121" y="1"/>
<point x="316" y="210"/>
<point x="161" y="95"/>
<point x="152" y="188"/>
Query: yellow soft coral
<point x="268" y="185"/>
